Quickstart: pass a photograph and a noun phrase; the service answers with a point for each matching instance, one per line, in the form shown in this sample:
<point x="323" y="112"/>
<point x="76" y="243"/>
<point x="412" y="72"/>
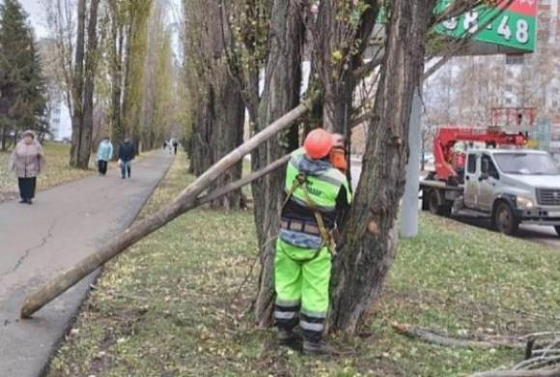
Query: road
<point x="540" y="234"/>
<point x="38" y="242"/>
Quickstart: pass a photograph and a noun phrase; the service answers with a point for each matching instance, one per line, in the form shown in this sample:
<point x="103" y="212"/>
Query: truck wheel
<point x="504" y="219"/>
<point x="557" y="230"/>
<point x="434" y="200"/>
<point x="437" y="205"/>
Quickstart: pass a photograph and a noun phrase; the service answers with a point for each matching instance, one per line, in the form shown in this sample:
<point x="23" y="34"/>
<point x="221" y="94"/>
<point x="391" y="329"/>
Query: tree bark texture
<point x="116" y="54"/>
<point x="89" y="86"/>
<point x="228" y="115"/>
<point x="369" y="239"/>
<point x="219" y="112"/>
<point x="77" y="88"/>
<point x="281" y="93"/>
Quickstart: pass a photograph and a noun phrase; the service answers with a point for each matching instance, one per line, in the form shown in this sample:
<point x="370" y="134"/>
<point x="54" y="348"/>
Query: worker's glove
<point x="338" y="159"/>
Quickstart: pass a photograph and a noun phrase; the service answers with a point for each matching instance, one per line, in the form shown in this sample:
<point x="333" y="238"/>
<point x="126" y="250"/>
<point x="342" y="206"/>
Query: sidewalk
<point x="36" y="242"/>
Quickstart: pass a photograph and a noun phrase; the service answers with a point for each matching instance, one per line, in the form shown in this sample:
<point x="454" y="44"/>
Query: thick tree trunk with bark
<point x="89" y="86"/>
<point x="369" y="240"/>
<point x="4" y="138"/>
<point x="219" y="114"/>
<point x="77" y="88"/>
<point x="200" y="152"/>
<point x="228" y="113"/>
<point x="117" y="41"/>
<point x="281" y="93"/>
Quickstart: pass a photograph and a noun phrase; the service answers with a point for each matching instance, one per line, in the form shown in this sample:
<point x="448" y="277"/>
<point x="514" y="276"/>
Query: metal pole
<point x="409" y="224"/>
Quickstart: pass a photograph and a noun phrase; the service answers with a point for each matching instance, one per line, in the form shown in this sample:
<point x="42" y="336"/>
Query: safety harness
<point x="327" y="240"/>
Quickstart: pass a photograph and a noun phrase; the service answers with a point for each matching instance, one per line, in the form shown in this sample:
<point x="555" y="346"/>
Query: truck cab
<point x="512" y="187"/>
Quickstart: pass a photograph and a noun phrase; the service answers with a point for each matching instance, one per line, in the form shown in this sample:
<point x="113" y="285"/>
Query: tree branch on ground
<point x="429" y="336"/>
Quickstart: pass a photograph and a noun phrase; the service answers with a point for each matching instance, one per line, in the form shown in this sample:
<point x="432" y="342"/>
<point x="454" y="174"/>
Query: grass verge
<point x="165" y="307"/>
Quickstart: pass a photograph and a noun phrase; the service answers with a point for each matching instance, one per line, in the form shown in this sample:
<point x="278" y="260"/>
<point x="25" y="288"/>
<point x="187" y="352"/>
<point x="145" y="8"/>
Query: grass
<point x="57" y="171"/>
<point x="165" y="307"/>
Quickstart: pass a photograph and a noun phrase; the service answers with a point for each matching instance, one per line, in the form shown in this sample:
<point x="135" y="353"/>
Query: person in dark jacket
<point x="126" y="155"/>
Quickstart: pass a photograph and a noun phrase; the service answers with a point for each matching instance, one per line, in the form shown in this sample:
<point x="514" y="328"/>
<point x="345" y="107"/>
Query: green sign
<point x="514" y="27"/>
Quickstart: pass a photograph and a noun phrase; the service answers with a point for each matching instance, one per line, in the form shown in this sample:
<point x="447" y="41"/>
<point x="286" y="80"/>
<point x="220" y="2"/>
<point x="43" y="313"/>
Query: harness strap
<point x="301" y="180"/>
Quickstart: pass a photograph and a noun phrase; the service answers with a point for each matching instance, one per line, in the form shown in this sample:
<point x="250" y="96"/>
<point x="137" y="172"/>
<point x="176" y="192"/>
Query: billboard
<point x="513" y="29"/>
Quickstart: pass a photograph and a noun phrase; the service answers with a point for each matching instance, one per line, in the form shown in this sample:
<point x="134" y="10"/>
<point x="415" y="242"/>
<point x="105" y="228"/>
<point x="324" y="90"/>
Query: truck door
<point x="487" y="183"/>
<point x="471" y="181"/>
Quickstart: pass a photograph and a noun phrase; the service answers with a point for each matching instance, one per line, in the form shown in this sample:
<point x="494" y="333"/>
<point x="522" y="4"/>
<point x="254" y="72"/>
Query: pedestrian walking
<point x="104" y="155"/>
<point x="175" y="145"/>
<point x="317" y="194"/>
<point x="126" y="155"/>
<point x="27" y="161"/>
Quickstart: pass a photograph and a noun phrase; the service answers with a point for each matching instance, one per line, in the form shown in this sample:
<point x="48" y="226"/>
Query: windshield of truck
<point x="526" y="163"/>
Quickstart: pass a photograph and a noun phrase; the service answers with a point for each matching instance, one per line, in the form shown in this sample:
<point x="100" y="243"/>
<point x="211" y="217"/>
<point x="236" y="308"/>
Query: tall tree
<point x="215" y="96"/>
<point x="369" y="240"/>
<point x="115" y="56"/>
<point x="283" y="76"/>
<point x="136" y="29"/>
<point x="79" y="70"/>
<point x="22" y="90"/>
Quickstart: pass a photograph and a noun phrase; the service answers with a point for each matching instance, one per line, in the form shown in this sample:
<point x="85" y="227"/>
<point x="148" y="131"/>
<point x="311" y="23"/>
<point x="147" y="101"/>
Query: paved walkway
<point x="39" y="241"/>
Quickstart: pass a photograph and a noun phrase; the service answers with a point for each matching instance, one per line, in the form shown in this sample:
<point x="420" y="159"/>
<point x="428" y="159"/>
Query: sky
<point x="36" y="11"/>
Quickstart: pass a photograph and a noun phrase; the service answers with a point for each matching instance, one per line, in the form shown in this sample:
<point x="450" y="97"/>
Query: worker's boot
<point x="289" y="338"/>
<point x="318" y="348"/>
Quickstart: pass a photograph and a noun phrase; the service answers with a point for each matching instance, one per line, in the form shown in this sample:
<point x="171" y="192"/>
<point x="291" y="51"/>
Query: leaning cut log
<point x="221" y="191"/>
<point x="185" y="201"/>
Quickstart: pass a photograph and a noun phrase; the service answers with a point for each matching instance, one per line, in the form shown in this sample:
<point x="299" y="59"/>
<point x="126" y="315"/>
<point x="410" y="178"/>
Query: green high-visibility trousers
<point x="302" y="287"/>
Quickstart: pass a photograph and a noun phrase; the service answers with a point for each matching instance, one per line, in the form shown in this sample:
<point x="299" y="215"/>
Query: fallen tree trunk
<point x="520" y="373"/>
<point x="185" y="201"/>
<point x="430" y="337"/>
<point x="219" y="192"/>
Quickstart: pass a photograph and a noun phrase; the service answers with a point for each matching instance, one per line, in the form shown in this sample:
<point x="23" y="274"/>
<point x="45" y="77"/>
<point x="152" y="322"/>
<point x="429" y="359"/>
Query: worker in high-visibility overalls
<point x="316" y="193"/>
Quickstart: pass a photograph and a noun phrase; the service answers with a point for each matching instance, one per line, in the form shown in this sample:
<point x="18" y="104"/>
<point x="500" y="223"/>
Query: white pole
<point x="409" y="224"/>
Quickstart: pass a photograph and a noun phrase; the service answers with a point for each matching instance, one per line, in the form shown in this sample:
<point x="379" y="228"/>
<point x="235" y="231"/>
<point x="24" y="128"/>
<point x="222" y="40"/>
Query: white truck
<point x="510" y="186"/>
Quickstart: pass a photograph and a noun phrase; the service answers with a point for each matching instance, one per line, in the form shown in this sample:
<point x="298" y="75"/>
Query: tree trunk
<point x="200" y="149"/>
<point x="281" y="93"/>
<point x="4" y="137"/>
<point x="117" y="41"/>
<point x="89" y="87"/>
<point x="219" y="113"/>
<point x="227" y="135"/>
<point x="369" y="239"/>
<point x="77" y="87"/>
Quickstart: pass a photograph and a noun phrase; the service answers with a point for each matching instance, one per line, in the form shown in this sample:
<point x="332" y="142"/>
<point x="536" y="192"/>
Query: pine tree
<point x="22" y="90"/>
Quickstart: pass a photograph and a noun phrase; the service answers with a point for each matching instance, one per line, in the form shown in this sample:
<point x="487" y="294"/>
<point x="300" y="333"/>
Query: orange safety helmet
<point x="318" y="143"/>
